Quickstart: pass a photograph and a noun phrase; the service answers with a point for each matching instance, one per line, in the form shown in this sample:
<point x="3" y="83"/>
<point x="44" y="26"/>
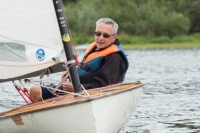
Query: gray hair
<point x="108" y="21"/>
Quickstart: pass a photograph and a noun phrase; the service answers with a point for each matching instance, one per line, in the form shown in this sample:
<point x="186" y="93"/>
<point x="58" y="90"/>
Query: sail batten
<point x="33" y="25"/>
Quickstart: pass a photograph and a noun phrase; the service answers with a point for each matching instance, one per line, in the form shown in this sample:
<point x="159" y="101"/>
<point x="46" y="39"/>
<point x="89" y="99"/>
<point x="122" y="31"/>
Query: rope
<point x="72" y="93"/>
<point x="85" y="90"/>
<point x="21" y="83"/>
<point x="47" y="70"/>
<point x="43" y="81"/>
<point x="67" y="92"/>
<point x="63" y="79"/>
<point x="72" y="42"/>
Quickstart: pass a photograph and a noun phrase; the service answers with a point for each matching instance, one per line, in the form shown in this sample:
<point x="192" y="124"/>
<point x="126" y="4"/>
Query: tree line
<point x="136" y="17"/>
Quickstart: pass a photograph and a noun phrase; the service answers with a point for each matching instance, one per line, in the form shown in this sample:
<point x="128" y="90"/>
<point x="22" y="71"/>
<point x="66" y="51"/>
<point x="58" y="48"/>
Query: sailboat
<point x="33" y="34"/>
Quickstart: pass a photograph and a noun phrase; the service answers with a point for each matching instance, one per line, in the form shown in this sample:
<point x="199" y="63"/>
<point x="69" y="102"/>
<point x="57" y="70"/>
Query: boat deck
<point x="70" y="99"/>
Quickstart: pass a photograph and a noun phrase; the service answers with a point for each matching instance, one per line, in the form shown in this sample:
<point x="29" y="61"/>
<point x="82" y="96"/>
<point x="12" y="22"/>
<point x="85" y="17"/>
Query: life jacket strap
<point x="87" y="68"/>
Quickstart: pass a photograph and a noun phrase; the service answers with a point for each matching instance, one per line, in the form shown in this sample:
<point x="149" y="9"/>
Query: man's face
<point x="100" y="39"/>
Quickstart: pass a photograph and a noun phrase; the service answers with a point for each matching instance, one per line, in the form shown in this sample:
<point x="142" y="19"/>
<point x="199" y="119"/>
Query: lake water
<point x="170" y="102"/>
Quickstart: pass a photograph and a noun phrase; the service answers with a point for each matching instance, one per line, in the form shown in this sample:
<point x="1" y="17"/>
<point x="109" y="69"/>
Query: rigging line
<point x="85" y="90"/>
<point x="63" y="79"/>
<point x="72" y="93"/>
<point x="21" y="83"/>
<point x="36" y="81"/>
<point x="72" y="42"/>
<point x="68" y="68"/>
<point x="13" y="51"/>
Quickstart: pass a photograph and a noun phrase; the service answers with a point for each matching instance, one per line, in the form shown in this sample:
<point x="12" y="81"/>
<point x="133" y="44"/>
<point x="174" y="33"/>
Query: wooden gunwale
<point x="67" y="100"/>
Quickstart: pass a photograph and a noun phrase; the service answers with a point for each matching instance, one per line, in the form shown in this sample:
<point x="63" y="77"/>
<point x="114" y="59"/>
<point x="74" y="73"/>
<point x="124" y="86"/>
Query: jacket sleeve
<point x="111" y="71"/>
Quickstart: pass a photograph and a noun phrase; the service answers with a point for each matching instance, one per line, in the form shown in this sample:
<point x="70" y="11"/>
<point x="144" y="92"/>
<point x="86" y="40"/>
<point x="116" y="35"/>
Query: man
<point x="104" y="62"/>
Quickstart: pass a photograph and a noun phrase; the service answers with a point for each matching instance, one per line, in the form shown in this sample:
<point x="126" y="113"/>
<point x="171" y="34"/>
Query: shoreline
<point x="163" y="46"/>
<point x="189" y="45"/>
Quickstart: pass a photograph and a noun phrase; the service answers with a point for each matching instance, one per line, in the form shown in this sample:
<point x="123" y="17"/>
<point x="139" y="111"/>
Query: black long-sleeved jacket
<point x="111" y="71"/>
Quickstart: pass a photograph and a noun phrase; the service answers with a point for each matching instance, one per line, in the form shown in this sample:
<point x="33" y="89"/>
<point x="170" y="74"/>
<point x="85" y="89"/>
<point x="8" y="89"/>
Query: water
<point x="170" y="102"/>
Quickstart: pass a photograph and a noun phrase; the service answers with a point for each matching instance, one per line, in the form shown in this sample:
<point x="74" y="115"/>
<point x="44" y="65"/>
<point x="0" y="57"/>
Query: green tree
<point x="155" y="19"/>
<point x="68" y="1"/>
<point x="135" y="17"/>
<point x="190" y="8"/>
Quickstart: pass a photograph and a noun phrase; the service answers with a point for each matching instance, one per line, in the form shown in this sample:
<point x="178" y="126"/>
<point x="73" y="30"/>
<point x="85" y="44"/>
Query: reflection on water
<point x="170" y="101"/>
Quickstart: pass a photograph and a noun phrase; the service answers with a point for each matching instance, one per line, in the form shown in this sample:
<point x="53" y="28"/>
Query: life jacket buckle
<point x="85" y="67"/>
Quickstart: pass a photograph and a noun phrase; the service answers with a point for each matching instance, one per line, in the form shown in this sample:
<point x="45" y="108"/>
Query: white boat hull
<point x="102" y="115"/>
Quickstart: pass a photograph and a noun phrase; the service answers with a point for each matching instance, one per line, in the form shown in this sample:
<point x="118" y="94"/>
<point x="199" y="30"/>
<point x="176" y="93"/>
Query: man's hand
<point x="76" y="59"/>
<point x="67" y="86"/>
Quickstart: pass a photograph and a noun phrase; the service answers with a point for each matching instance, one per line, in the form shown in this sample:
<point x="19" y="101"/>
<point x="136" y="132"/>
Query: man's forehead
<point x="105" y="27"/>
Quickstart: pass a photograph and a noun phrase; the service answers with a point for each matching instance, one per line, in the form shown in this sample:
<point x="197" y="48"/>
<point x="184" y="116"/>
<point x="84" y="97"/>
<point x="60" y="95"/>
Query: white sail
<point x="30" y="40"/>
<point x="33" y="25"/>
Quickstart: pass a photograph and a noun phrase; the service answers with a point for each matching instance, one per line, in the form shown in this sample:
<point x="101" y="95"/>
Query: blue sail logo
<point x="40" y="54"/>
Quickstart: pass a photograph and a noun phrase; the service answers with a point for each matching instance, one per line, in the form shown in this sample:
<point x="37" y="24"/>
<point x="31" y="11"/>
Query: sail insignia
<point x="40" y="54"/>
<point x="66" y="38"/>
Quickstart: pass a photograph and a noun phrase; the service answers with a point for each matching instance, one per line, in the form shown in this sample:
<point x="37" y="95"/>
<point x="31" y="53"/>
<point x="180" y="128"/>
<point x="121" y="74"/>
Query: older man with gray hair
<point x="104" y="63"/>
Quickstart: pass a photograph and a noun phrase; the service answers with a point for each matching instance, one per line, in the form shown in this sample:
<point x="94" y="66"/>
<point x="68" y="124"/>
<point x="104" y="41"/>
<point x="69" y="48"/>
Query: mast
<point x="66" y="43"/>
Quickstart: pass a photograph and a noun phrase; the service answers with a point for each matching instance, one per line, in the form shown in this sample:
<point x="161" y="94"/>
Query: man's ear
<point x="114" y="38"/>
